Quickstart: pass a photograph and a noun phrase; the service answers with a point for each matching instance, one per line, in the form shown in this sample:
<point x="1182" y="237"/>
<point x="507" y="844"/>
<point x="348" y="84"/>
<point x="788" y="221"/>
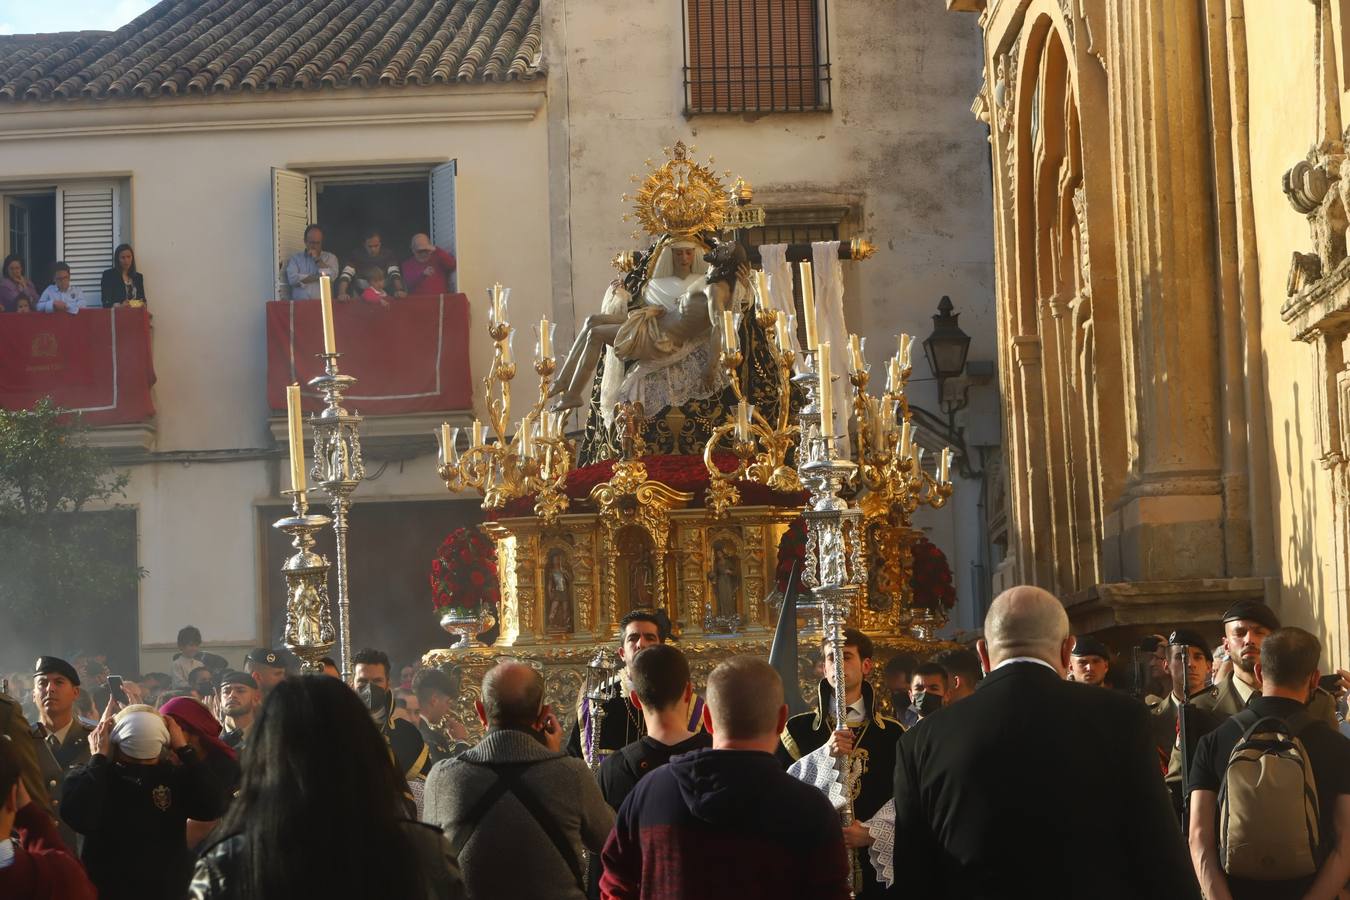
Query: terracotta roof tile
<point x="202" y="47"/>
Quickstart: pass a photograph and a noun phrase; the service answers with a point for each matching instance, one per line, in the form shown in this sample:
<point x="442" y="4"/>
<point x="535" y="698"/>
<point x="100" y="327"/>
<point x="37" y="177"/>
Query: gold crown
<point x="680" y="197"/>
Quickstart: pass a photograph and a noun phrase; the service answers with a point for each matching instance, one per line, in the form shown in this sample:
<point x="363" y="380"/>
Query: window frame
<point x="820" y="65"/>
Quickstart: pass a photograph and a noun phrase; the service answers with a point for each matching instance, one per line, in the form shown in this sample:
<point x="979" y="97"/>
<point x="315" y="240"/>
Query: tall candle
<point x="780" y="331"/>
<point x="904" y="447"/>
<point x="826" y="392"/>
<point x="729" y="331"/>
<point x="498" y="312"/>
<point x="545" y="339"/>
<point x="895" y="378"/>
<point x="326" y="306"/>
<point x="855" y="358"/>
<point x="743" y="421"/>
<point x="762" y="283"/>
<point x="295" y="431"/>
<point x="808" y="305"/>
<point x="945" y="465"/>
<point x="525" y="436"/>
<point x="906" y="347"/>
<point x="445" y="442"/>
<point x="477" y="433"/>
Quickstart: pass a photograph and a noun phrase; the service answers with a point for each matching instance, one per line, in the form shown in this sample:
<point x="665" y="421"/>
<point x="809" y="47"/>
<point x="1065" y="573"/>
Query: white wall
<point x="201" y="226"/>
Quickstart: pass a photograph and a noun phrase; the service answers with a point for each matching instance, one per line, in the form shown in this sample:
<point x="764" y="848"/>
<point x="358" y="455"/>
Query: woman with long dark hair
<point x="320" y="812"/>
<point x="15" y="285"/>
<point x="122" y="283"/>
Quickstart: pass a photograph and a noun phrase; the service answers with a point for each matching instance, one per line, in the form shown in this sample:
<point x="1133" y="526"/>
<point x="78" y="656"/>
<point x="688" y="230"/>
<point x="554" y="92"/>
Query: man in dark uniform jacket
<point x="370" y="672"/>
<point x="15" y="727"/>
<point x="240" y="700"/>
<point x="869" y="737"/>
<point x="1189" y="661"/>
<point x="434" y="689"/>
<point x="622" y="722"/>
<point x="1246" y="625"/>
<point x="60" y="739"/>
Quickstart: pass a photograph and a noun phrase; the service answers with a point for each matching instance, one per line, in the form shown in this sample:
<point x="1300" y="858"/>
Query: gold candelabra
<point x="890" y="467"/>
<point x="761" y="447"/>
<point x="533" y="460"/>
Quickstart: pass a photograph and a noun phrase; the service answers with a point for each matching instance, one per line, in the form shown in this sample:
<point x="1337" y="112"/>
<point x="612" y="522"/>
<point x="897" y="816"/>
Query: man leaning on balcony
<point x="304" y="268"/>
<point x="61" y="296"/>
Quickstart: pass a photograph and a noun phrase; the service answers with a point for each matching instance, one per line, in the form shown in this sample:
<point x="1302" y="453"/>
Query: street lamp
<point x="946" y="349"/>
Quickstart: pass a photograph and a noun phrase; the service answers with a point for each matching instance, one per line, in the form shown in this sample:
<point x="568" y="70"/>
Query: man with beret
<point x="1189" y="662"/>
<point x="239" y="701"/>
<point x="1246" y="625"/>
<point x="1090" y="662"/>
<point x="60" y="739"/>
<point x="267" y="667"/>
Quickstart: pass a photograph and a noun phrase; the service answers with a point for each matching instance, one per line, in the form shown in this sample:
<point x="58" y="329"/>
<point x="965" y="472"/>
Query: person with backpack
<point x="1270" y="788"/>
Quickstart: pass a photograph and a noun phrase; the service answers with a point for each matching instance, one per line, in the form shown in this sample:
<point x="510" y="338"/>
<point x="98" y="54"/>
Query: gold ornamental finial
<point x="680" y="197"/>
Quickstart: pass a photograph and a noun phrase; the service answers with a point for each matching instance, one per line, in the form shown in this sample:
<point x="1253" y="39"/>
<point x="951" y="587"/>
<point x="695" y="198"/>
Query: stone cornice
<point x="1321" y="308"/>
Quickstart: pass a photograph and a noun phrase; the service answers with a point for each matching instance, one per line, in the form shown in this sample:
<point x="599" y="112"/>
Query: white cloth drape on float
<point x="773" y="259"/>
<point x="828" y="275"/>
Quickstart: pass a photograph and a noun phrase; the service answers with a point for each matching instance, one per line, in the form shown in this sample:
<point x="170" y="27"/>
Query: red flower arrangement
<point x="791" y="553"/>
<point x="464" y="573"/>
<point x="931" y="580"/>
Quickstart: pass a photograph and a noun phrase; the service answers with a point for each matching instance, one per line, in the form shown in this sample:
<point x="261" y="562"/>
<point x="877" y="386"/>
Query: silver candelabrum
<point x="601" y="672"/>
<point x="309" y="624"/>
<point x="835" y="568"/>
<point x="338" y="470"/>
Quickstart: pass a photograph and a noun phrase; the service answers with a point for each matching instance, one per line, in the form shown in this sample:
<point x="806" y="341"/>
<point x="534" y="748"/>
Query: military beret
<point x="233" y="676"/>
<point x="1090" y="646"/>
<point x="1188" y="638"/>
<point x="265" y="657"/>
<point x="54" y="665"/>
<point x="1252" y="611"/>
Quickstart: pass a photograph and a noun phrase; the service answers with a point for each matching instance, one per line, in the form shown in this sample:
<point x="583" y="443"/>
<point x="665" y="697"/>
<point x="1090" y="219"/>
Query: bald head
<point x="513" y="694"/>
<point x="1026" y="621"/>
<point x="745" y="696"/>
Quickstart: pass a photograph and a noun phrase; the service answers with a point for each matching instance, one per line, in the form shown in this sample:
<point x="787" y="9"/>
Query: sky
<point x="26" y="16"/>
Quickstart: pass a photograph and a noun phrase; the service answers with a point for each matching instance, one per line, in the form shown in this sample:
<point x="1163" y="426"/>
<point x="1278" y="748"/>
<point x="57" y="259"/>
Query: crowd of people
<point x="1009" y="769"/>
<point x="373" y="273"/>
<point x="120" y="284"/>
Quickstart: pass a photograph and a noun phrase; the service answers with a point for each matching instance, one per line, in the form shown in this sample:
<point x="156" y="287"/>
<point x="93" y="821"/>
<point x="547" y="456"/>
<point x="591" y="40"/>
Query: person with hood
<point x="812" y="743"/>
<point x="202" y="731"/>
<point x="728" y="821"/>
<point x="518" y="812"/>
<point x="132" y="803"/>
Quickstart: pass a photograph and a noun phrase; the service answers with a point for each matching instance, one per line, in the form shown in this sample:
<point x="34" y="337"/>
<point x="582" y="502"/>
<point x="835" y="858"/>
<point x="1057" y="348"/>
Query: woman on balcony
<point x="15" y="284"/>
<point x="122" y="283"/>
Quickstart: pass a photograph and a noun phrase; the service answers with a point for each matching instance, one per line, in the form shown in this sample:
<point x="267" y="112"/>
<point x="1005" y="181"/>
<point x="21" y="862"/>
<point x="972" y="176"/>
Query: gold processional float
<point x="684" y="509"/>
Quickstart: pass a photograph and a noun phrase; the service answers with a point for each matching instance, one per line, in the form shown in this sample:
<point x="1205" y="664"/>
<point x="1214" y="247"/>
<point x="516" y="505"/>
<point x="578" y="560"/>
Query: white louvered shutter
<point x="87" y="232"/>
<point x="292" y="210"/>
<point x="442" y="191"/>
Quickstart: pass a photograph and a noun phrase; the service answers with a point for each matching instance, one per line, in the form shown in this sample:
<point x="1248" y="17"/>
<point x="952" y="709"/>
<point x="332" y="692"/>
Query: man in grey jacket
<point x="517" y="811"/>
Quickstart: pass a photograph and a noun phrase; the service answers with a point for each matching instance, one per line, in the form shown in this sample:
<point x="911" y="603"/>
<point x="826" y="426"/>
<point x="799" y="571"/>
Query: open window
<point x="76" y="222"/>
<point x="396" y="201"/>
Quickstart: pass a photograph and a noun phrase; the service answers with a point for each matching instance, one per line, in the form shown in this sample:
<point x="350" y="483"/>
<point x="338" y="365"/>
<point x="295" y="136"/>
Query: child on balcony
<point x="374" y="292"/>
<point x="61" y="296"/>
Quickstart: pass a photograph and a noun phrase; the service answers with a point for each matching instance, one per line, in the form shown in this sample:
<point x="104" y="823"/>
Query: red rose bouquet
<point x="791" y="553"/>
<point x="464" y="573"/>
<point x="931" y="580"/>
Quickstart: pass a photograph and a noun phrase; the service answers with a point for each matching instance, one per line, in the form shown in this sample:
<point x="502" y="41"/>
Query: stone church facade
<point x="1173" y="304"/>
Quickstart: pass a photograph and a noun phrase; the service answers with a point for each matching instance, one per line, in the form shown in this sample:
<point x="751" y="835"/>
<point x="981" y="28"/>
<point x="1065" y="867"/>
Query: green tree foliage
<point x="57" y="564"/>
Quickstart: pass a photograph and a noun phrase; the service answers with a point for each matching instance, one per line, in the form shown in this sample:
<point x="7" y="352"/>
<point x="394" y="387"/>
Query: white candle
<point x="326" y="306"/>
<point x="855" y="357"/>
<point x="808" y="305"/>
<point x="545" y="339"/>
<point x="729" y="341"/>
<point x="826" y="392"/>
<point x="904" y="446"/>
<point x="525" y="437"/>
<point x="780" y="331"/>
<point x="895" y="379"/>
<point x="445" y="442"/>
<point x="906" y="347"/>
<point x="498" y="312"/>
<point x="477" y="433"/>
<point x="945" y="465"/>
<point x="295" y="429"/>
<point x="505" y="344"/>
<point x="762" y="292"/>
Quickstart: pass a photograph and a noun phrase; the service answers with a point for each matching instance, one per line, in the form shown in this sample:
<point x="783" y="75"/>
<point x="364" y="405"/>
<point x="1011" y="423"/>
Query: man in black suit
<point x="986" y="791"/>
